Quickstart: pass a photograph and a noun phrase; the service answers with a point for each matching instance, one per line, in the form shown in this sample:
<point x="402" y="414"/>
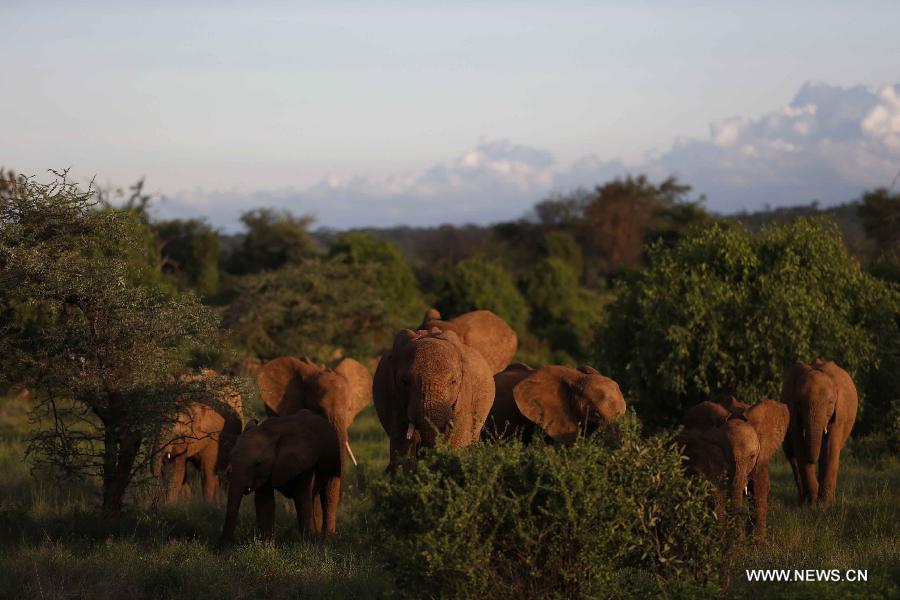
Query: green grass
<point x="53" y="544"/>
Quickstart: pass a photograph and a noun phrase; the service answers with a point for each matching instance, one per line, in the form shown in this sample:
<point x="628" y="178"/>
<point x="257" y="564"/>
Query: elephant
<point x="288" y="384"/>
<point x="300" y="456"/>
<point x="735" y="453"/>
<point x="202" y="434"/>
<point x="823" y="402"/>
<point x="430" y="382"/>
<point x="482" y="330"/>
<point x="563" y="400"/>
<point x="505" y="419"/>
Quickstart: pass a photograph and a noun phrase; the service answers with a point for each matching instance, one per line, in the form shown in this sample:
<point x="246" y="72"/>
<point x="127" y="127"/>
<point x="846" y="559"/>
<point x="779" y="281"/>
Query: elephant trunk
<point x="430" y="412"/>
<point x="343" y="435"/>
<point x="235" y="495"/>
<point x="813" y="431"/>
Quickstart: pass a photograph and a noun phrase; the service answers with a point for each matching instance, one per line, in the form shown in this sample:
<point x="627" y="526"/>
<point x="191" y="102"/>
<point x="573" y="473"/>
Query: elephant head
<point x="288" y="384"/>
<point x="429" y="383"/>
<point x="563" y="400"/>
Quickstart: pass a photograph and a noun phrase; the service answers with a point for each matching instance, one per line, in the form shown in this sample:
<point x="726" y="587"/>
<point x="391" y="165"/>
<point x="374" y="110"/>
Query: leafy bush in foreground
<point x="545" y="521"/>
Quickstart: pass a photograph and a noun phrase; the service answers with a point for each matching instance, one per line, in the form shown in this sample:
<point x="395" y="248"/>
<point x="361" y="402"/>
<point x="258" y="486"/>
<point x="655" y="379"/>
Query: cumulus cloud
<point x="828" y="144"/>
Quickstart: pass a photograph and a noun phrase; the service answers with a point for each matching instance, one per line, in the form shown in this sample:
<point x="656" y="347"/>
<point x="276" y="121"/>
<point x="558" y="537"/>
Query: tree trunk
<point x="119" y="453"/>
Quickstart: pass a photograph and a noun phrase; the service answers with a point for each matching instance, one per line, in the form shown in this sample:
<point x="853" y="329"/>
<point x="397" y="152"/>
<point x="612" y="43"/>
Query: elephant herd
<point x="453" y="379"/>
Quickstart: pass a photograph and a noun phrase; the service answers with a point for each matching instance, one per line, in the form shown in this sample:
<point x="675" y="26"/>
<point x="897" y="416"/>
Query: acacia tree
<point x="93" y="333"/>
<point x="322" y="309"/>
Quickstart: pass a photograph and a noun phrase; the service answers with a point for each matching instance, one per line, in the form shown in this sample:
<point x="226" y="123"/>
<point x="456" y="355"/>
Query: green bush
<point x="321" y="309"/>
<point x="726" y="311"/>
<point x="516" y="521"/>
<point x="562" y="312"/>
<point x="476" y="284"/>
<point x="390" y="275"/>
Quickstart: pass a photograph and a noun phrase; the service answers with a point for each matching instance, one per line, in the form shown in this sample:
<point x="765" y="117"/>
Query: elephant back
<point x="483" y="330"/>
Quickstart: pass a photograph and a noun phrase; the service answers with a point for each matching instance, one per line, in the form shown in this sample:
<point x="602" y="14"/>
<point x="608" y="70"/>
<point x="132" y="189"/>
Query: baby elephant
<point x="298" y="455"/>
<point x="734" y="451"/>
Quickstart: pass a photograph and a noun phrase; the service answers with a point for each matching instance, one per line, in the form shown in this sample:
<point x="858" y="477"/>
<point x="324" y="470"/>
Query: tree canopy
<point x="727" y="311"/>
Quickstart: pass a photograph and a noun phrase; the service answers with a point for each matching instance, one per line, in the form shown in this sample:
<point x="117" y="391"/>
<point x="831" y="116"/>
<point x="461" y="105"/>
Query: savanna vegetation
<point x="101" y="306"/>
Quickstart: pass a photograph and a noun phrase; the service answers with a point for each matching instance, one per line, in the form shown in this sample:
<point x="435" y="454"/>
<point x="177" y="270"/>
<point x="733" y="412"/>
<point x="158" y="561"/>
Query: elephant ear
<point x="383" y="389"/>
<point x="359" y="384"/>
<point x="770" y="420"/>
<point x="280" y="384"/>
<point x="294" y="454"/>
<point x="543" y="398"/>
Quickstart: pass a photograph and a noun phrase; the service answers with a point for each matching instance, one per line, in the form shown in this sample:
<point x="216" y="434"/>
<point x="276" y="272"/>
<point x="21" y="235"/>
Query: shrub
<point x="321" y="309"/>
<point x="477" y="283"/>
<point x="562" y="312"/>
<point x="516" y="521"/>
<point x="727" y="311"/>
<point x="390" y="275"/>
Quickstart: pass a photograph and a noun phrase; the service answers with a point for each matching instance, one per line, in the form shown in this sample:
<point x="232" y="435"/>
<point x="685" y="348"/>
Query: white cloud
<point x="829" y="143"/>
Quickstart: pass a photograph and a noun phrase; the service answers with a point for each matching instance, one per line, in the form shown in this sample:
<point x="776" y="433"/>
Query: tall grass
<point x="53" y="544"/>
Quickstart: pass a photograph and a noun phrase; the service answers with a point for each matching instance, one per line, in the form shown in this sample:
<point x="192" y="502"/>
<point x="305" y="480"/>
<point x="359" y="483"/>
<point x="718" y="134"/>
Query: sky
<point x="425" y="113"/>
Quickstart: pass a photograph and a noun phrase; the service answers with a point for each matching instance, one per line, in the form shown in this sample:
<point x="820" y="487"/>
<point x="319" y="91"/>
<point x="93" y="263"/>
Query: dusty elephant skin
<point x="430" y="382"/>
<point x="505" y="419"/>
<point x="564" y="401"/>
<point x="732" y="447"/>
<point x="298" y="455"/>
<point x="482" y="330"/>
<point x="823" y="403"/>
<point x="203" y="435"/>
<point x="288" y="384"/>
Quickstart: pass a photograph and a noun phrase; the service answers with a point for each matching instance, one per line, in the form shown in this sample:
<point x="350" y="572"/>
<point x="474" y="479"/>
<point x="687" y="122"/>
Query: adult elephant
<point x="482" y="330"/>
<point x="288" y="384"/>
<point x="202" y="434"/>
<point x="564" y="401"/>
<point x="300" y="456"/>
<point x="505" y="420"/>
<point x="735" y="453"/>
<point x="430" y="382"/>
<point x="823" y="403"/>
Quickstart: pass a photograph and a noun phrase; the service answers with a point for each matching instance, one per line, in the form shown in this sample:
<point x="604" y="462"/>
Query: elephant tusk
<point x="746" y="491"/>
<point x="168" y="456"/>
<point x="826" y="430"/>
<point x="409" y="431"/>
<point x="350" y="452"/>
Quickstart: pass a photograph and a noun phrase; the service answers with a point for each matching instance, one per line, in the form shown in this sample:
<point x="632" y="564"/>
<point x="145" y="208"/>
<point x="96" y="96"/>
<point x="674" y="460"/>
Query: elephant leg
<point x="176" y="478"/>
<point x="795" y="466"/>
<point x="330" y="496"/>
<point x="304" y="501"/>
<point x="208" y="476"/>
<point x="761" y="485"/>
<point x="829" y="472"/>
<point x="264" y="498"/>
<point x="810" y="483"/>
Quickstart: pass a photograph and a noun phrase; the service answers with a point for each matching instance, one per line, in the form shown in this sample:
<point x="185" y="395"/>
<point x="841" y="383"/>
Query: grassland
<point x="53" y="544"/>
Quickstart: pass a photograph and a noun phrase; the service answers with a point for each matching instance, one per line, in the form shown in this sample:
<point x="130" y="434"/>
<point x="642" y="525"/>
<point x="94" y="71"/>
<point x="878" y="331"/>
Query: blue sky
<point x="451" y="112"/>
